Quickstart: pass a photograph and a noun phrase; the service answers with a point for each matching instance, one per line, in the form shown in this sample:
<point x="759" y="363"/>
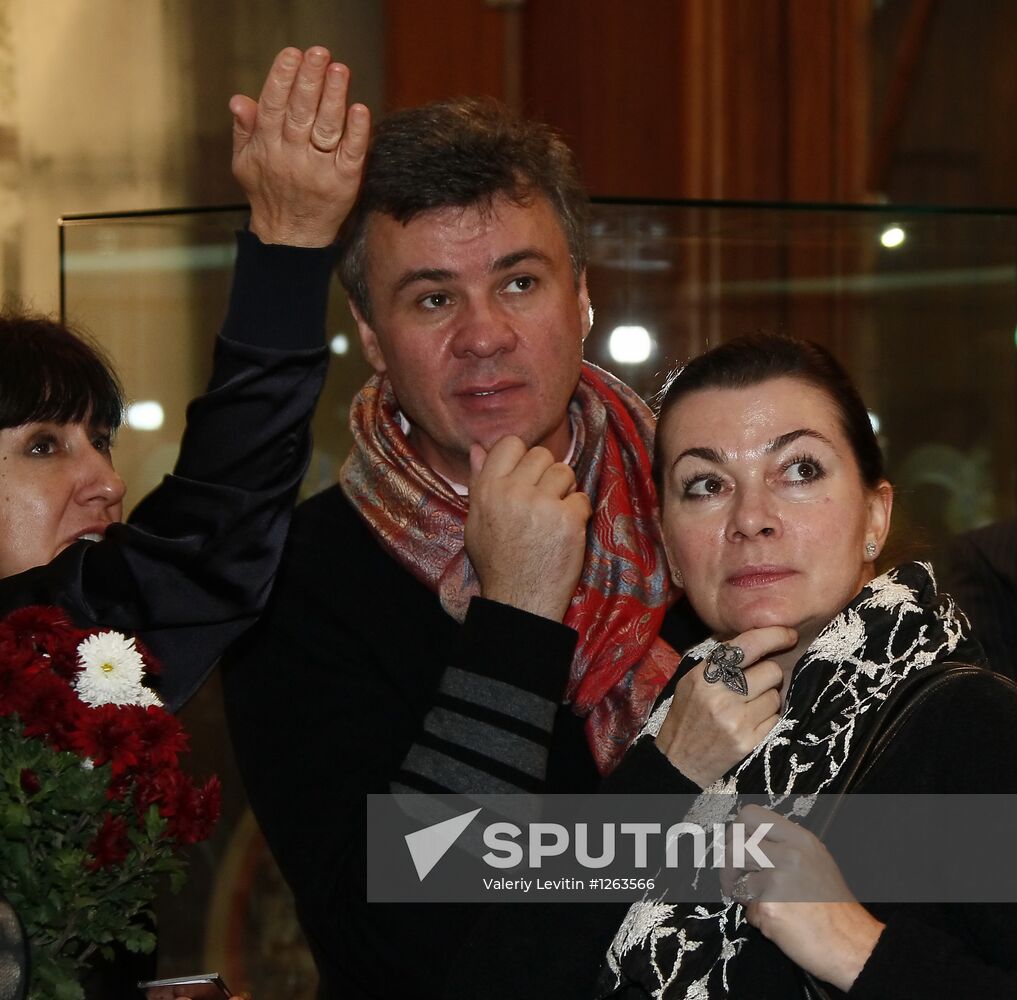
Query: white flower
<point x="112" y="672"/>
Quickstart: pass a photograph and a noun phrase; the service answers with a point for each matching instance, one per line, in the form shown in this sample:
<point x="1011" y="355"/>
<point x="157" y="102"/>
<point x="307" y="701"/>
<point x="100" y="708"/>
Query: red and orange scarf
<point x="620" y="664"/>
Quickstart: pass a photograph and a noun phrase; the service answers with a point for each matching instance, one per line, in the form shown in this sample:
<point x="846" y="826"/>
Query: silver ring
<point x="740" y="891"/>
<point x="722" y="665"/>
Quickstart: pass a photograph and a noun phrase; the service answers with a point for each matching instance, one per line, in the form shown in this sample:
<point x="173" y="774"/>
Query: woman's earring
<point x="870" y="549"/>
<point x="676" y="575"/>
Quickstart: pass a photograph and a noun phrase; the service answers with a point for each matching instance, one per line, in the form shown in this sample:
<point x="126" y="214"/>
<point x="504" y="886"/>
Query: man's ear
<point x="585" y="309"/>
<point x="369" y="342"/>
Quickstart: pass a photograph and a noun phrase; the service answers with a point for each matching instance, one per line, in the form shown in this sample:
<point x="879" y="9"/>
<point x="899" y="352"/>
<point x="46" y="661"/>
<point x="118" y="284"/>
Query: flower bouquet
<point x="93" y="805"/>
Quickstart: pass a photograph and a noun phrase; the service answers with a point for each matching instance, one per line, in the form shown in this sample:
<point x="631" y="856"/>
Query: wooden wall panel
<point x="609" y="75"/>
<point x="749" y="99"/>
<point x="448" y="48"/>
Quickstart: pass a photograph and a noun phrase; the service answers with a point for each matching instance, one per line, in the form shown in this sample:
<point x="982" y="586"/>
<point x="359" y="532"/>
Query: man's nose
<point x="484" y="329"/>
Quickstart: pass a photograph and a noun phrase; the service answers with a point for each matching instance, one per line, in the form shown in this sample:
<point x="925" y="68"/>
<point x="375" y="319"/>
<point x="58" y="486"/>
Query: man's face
<point x="479" y="323"/>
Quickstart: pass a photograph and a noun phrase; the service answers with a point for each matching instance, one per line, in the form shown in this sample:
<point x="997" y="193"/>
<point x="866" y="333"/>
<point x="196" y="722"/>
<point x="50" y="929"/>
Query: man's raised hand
<point x="298" y="152"/>
<point x="526" y="530"/>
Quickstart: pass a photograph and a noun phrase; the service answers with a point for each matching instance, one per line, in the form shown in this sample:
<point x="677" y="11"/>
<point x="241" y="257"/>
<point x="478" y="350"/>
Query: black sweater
<point x="356" y="681"/>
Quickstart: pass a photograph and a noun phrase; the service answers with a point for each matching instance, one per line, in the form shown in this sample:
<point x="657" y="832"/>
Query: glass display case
<point x="919" y="304"/>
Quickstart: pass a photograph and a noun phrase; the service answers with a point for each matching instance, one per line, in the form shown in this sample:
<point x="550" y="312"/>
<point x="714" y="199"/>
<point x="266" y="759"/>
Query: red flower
<point x="197" y="810"/>
<point x="48" y="631"/>
<point x="162" y="737"/>
<point x="110" y="845"/>
<point x="109" y="733"/>
<point x="18" y="670"/>
<point x="49" y="709"/>
<point x="161" y="788"/>
<point x="29" y="781"/>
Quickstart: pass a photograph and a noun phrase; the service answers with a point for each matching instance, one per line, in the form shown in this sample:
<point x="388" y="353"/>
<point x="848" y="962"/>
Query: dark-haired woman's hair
<point x="759" y="357"/>
<point x="49" y="373"/>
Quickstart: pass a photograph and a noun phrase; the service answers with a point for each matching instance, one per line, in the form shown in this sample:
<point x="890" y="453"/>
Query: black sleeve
<point x="490" y="727"/>
<point x="193" y="566"/>
<point x="964" y="741"/>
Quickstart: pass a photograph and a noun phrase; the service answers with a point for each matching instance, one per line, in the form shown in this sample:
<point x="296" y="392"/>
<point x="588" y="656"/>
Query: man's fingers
<point x="276" y="92"/>
<point x="533" y="465"/>
<point x="558" y="479"/>
<point x="330" y="116"/>
<point x="504" y="456"/>
<point x="478" y="456"/>
<point x="305" y="95"/>
<point x="580" y="503"/>
<point x="245" y="114"/>
<point x="355" y="139"/>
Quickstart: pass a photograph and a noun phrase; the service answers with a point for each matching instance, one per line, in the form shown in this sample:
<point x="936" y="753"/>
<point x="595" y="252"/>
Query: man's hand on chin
<point x="526" y="530"/>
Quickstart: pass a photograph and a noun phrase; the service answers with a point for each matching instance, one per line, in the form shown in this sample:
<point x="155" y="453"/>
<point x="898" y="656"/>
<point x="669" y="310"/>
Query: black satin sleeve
<point x="193" y="566"/>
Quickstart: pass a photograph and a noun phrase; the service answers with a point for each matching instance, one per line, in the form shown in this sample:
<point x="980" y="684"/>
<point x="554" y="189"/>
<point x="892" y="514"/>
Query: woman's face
<point x="764" y="510"/>
<point x="57" y="484"/>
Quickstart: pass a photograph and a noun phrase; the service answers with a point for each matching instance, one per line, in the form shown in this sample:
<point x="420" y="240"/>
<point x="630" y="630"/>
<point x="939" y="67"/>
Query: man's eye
<point x="521" y="284"/>
<point x="434" y="300"/>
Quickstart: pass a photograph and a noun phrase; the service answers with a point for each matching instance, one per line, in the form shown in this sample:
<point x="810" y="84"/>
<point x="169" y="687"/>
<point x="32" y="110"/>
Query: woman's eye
<point x="803" y="470"/>
<point x="103" y="443"/>
<point x="43" y="446"/>
<point x="703" y="486"/>
<point x="521" y="284"/>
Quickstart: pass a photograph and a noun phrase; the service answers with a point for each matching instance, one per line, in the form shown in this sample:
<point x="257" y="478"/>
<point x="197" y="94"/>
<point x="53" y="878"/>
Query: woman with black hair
<point x="193" y="565"/>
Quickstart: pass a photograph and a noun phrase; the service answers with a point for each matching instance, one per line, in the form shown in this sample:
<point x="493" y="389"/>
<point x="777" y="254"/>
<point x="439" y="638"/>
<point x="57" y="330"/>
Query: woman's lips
<point x="759" y="576"/>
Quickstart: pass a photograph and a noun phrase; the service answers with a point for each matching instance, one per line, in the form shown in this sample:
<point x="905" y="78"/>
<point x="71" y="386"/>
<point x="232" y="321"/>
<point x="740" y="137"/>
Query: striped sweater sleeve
<point x="490" y="727"/>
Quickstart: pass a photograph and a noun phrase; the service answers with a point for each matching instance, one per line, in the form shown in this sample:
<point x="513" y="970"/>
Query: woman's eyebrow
<point x="706" y="454"/>
<point x="785" y="439"/>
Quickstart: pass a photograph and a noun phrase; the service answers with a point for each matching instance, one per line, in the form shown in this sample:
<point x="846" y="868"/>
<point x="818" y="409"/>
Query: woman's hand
<point x="709" y="727"/>
<point x="298" y="152"/>
<point x="802" y="904"/>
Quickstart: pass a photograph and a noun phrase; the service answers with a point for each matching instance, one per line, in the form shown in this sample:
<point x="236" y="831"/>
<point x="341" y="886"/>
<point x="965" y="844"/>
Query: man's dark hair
<point x="48" y="372"/>
<point x="759" y="357"/>
<point x="460" y="153"/>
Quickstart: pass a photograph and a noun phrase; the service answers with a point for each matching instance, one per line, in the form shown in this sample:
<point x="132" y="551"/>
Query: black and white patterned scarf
<point x="898" y="624"/>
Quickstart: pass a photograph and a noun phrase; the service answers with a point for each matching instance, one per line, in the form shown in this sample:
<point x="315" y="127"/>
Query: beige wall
<point x="121" y="104"/>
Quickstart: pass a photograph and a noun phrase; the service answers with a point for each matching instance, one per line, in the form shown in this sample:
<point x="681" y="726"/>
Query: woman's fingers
<point x="759" y="643"/>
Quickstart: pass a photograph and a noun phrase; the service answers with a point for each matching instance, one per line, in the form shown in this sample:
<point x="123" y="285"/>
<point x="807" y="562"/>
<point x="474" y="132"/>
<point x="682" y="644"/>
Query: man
<point x="497" y="487"/>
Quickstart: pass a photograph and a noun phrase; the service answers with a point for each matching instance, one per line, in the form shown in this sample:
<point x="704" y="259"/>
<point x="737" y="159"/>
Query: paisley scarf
<point x="896" y="626"/>
<point x="620" y="665"/>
